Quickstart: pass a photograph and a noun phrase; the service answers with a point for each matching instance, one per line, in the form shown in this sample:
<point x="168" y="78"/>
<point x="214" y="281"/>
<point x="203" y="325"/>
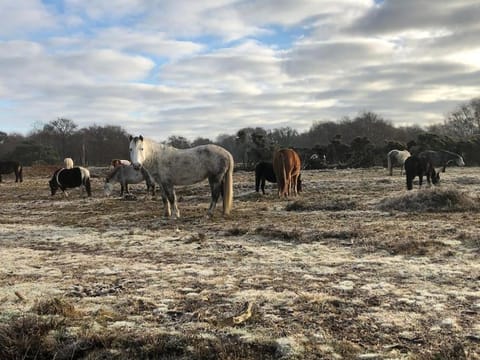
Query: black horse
<point x="419" y="166"/>
<point x="264" y="171"/>
<point x="8" y="166"/>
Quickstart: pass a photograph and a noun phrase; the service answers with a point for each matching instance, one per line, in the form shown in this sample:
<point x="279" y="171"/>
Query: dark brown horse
<point x="419" y="166"/>
<point x="264" y="172"/>
<point x="8" y="167"/>
<point x="287" y="165"/>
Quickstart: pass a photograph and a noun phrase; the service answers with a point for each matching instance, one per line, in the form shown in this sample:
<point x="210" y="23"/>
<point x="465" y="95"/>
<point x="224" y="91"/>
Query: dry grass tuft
<point x="449" y="351"/>
<point x="40" y="338"/>
<point x="271" y="232"/>
<point x="414" y="248"/>
<point x="54" y="306"/>
<point x="26" y="337"/>
<point x="433" y="199"/>
<point x="470" y="240"/>
<point x="336" y="205"/>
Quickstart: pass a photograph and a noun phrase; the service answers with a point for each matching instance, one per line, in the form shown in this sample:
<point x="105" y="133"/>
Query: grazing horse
<point x="264" y="171"/>
<point x="68" y="163"/>
<point x="119" y="162"/>
<point x="170" y="166"/>
<point x="397" y="157"/>
<point x="286" y="165"/>
<point x="128" y="175"/>
<point x="442" y="158"/>
<point x="417" y="166"/>
<point x="70" y="178"/>
<point x="8" y="166"/>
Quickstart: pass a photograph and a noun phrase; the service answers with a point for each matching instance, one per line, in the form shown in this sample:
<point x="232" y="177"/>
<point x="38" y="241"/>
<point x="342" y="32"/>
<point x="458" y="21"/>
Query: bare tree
<point x="464" y="121"/>
<point x="179" y="142"/>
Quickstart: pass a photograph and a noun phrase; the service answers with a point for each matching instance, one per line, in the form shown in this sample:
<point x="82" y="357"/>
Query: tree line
<point x="361" y="141"/>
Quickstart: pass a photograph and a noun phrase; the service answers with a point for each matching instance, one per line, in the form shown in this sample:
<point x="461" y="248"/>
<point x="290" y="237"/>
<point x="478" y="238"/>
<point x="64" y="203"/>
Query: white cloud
<point x="202" y="68"/>
<point x="20" y="17"/>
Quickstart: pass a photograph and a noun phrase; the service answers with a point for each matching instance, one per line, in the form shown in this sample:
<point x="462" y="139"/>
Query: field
<point x="355" y="267"/>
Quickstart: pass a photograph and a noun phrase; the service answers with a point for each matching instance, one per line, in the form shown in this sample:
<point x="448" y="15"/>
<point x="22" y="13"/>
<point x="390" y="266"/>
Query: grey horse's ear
<point x="130" y="137"/>
<point x="141" y="138"/>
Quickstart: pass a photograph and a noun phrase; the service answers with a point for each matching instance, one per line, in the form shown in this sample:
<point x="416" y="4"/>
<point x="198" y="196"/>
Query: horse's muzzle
<point x="137" y="166"/>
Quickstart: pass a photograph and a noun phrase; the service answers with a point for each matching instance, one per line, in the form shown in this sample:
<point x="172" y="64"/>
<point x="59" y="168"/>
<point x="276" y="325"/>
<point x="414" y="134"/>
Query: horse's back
<point x="8" y="166"/>
<point x="188" y="166"/>
<point x="130" y="174"/>
<point x="435" y="157"/>
<point x="264" y="169"/>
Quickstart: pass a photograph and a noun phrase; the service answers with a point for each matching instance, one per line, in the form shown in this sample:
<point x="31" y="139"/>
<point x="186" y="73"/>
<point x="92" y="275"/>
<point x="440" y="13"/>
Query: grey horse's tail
<point x="228" y="187"/>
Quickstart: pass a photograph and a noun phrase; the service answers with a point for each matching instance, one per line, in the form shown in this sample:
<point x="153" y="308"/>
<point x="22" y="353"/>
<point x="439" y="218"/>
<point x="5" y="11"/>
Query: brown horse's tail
<point x="284" y="183"/>
<point x="228" y="187"/>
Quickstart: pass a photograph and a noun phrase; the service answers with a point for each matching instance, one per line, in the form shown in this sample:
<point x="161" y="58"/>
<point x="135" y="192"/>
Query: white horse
<point x="170" y="166"/>
<point x="397" y="157"/>
<point x="68" y="163"/>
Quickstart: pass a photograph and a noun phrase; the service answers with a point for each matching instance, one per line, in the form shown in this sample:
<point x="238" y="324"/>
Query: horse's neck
<point x="155" y="151"/>
<point x="114" y="172"/>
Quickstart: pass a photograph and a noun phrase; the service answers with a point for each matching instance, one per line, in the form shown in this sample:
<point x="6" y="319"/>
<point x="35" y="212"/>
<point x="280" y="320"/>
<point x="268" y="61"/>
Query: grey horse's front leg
<point x="149" y="180"/>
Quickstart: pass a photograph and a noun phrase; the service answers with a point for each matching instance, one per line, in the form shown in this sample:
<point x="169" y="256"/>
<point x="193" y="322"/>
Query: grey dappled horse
<point x="397" y="158"/>
<point x="170" y="166"/>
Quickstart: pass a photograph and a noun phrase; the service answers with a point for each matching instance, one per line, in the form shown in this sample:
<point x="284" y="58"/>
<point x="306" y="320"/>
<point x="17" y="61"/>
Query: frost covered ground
<point x="355" y="267"/>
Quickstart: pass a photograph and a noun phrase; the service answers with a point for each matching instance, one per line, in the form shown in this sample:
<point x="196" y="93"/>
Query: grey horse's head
<point x="136" y="149"/>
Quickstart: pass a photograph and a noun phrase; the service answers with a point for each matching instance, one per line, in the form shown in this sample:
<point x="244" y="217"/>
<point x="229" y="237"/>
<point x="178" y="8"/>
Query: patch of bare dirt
<point x="344" y="271"/>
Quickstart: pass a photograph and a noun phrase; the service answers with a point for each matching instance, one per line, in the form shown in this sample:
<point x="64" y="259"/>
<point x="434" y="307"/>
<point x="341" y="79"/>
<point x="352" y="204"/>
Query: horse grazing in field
<point x="70" y="178"/>
<point x="68" y="163"/>
<point x="417" y="166"/>
<point x="264" y="171"/>
<point x="287" y="165"/>
<point x="397" y="158"/>
<point x="128" y="175"/>
<point x="170" y="166"/>
<point x="8" y="167"/>
<point x="120" y="162"/>
<point x="442" y="158"/>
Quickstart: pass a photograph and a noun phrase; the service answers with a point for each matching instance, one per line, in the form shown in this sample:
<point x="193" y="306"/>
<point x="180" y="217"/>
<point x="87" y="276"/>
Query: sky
<point x="205" y="68"/>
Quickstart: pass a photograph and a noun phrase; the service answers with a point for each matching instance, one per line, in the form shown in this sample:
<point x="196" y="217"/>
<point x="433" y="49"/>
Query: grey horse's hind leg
<point x="217" y="190"/>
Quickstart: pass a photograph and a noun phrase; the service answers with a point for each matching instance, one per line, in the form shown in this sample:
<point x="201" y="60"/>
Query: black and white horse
<point x="70" y="178"/>
<point x="418" y="166"/>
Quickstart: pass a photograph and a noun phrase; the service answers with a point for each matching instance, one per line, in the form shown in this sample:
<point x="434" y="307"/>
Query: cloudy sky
<point x="203" y="68"/>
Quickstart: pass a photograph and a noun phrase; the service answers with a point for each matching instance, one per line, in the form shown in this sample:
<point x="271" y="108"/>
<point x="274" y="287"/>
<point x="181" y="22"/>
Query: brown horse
<point x="287" y="165"/>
